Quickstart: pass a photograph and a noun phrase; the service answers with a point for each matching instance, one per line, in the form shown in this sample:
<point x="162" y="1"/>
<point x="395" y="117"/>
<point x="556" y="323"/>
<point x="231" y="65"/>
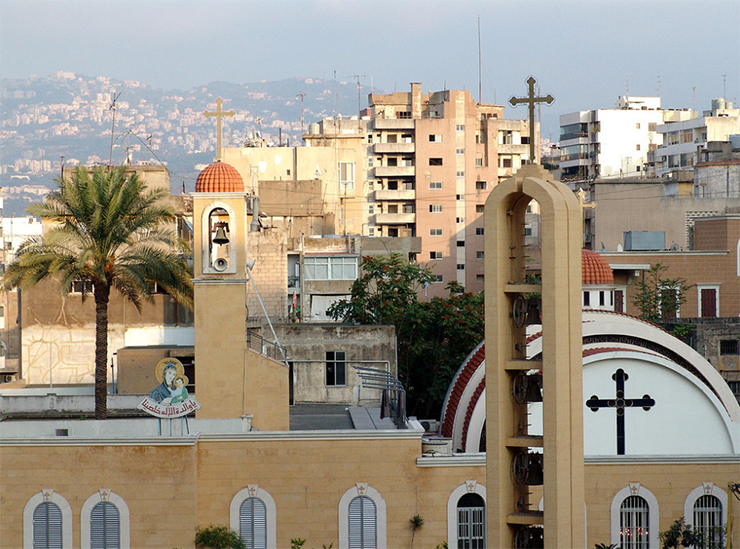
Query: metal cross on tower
<point x="620" y="403"/>
<point x="218" y="113"/>
<point x="531" y="100"/>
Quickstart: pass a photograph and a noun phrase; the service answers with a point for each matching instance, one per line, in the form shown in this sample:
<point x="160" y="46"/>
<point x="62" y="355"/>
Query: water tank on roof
<point x="718" y="103"/>
<point x="313" y="128"/>
<point x="644" y="240"/>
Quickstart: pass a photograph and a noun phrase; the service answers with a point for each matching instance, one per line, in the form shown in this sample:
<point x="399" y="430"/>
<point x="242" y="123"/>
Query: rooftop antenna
<point x="301" y="95"/>
<point x="693" y="98"/>
<point x="628" y="86"/>
<point x="336" y="97"/>
<point x="113" y="127"/>
<point x="724" y="87"/>
<point x="658" y="85"/>
<point x="359" y="89"/>
<point x="480" y="95"/>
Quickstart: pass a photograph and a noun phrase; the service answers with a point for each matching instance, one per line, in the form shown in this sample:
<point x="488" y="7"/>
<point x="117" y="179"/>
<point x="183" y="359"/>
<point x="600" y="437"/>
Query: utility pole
<point x="359" y="88"/>
<point x="113" y="126"/>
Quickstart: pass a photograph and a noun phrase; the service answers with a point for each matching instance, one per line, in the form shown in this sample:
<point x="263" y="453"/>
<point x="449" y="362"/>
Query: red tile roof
<point x="595" y="269"/>
<point x="219" y="178"/>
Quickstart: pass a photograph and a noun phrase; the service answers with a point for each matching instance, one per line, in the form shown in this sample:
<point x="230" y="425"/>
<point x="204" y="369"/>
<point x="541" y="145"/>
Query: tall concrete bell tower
<point x="513" y="455"/>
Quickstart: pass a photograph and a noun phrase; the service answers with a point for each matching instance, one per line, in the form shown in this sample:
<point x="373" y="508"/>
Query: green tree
<point x="218" y="537"/>
<point x="657" y="297"/>
<point x="680" y="535"/>
<point x="433" y="336"/>
<point x="108" y="232"/>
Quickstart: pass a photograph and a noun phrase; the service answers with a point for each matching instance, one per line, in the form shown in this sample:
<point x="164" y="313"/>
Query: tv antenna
<point x="113" y="126"/>
<point x="301" y="95"/>
<point x="359" y="88"/>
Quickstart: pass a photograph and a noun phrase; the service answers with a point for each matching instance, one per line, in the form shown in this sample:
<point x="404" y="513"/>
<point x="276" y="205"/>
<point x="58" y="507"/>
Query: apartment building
<point x="684" y="140"/>
<point x="612" y="142"/>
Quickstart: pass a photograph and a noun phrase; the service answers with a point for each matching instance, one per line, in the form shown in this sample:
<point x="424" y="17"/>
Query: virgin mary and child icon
<point x="170" y="398"/>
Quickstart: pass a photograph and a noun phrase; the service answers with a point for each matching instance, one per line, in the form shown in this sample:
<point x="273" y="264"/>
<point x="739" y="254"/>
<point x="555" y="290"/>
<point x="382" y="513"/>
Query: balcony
<point x="393" y="148"/>
<point x="395" y="195"/>
<point x="393" y="171"/>
<point x="393" y="123"/>
<point x="395" y="218"/>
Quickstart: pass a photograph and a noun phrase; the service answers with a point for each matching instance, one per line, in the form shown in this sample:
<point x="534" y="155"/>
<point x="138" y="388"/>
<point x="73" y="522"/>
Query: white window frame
<point x="435" y="138"/>
<point x="254" y="491"/>
<point x="460" y="173"/>
<point x="635" y="489"/>
<point x="436" y="257"/>
<point x="470" y="487"/>
<point x="329" y="261"/>
<point x="437" y="231"/>
<point x="362" y="489"/>
<point x="459" y="127"/>
<point x="706" y="489"/>
<point x="699" y="288"/>
<point x="347" y="182"/>
<point x="47" y="495"/>
<point x="459" y="152"/>
<point x="124" y="517"/>
<point x="437" y="185"/>
<point x="435" y="208"/>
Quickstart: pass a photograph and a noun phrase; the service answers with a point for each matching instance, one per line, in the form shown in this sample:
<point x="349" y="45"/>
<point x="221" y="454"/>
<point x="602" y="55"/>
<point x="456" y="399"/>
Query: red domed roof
<point x="595" y="269"/>
<point x="219" y="178"/>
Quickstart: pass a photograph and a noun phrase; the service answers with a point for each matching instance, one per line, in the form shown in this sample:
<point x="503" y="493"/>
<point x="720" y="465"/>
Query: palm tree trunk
<point x="102" y="295"/>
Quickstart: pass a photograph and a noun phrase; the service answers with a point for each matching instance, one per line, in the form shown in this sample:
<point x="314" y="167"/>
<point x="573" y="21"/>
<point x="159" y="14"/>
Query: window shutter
<point x="253" y="523"/>
<point x="362" y="523"/>
<point x="105" y="526"/>
<point x="47" y="526"/>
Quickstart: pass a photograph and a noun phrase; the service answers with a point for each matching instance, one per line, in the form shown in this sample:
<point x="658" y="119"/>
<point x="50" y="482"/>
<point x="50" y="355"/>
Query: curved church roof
<point x="219" y="177"/>
<point x="694" y="410"/>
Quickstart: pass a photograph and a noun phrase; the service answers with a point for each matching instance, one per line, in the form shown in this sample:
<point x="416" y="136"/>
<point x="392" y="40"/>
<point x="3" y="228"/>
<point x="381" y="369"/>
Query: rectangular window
<point x="330" y="268"/>
<point x="371" y="209"/>
<point x="479" y="278"/>
<point x="478" y="162"/>
<point x="480" y="208"/>
<point x="729" y="347"/>
<point x="460" y="220"/>
<point x="460" y="243"/>
<point x="479" y="255"/>
<point x="459" y="174"/>
<point x="347" y="174"/>
<point x="435" y="185"/>
<point x="336" y="368"/>
<point x="435" y="138"/>
<point x="404" y="114"/>
<point x="479" y="231"/>
<point x="481" y="185"/>
<point x="392" y="208"/>
<point x="460" y="128"/>
<point x="435" y="161"/>
<point x="637" y="126"/>
<point x="78" y="284"/>
<point x="435" y="232"/>
<point x="435" y="255"/>
<point x="652" y="126"/>
<point x="460" y="197"/>
<point x="459" y="151"/>
<point x="435" y="208"/>
<point x="637" y="147"/>
<point x="392" y="161"/>
<point x="506" y="162"/>
<point x="391" y="138"/>
<point x="708" y="302"/>
<point x="438" y="278"/>
<point x="460" y="266"/>
<point x="409" y="208"/>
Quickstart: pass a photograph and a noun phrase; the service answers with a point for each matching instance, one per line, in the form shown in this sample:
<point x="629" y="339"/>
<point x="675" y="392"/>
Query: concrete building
<point x="684" y="139"/>
<point x="613" y="142"/>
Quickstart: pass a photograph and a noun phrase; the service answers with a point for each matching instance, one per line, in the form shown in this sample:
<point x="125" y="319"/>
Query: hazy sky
<point x="585" y="53"/>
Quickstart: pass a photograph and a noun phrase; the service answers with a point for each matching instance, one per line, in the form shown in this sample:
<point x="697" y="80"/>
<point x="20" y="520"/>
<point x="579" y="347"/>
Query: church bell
<point x="220" y="237"/>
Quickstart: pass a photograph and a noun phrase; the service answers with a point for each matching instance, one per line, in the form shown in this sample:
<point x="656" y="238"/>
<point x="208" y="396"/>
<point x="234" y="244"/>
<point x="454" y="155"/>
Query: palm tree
<point x="107" y="232"/>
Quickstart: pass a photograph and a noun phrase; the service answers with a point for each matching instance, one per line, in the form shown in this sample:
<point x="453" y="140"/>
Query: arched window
<point x="704" y="509"/>
<point x="47" y="526"/>
<point x="634" y="518"/>
<point x="105" y="522"/>
<point x="634" y="515"/>
<point x="362" y="522"/>
<point x="253" y="523"/>
<point x="105" y="526"/>
<point x="471" y="522"/>
<point x="466" y="516"/>
<point x="253" y="514"/>
<point x="708" y="519"/>
<point x="47" y="522"/>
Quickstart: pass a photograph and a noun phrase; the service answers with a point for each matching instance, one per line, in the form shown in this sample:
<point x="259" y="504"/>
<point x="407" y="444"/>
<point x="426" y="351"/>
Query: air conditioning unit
<point x="530" y="537"/>
<point x="430" y="425"/>
<point x="526" y="468"/>
<point x="7" y="378"/>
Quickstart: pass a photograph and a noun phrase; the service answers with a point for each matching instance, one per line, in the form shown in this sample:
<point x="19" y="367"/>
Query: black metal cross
<point x="620" y="403"/>
<point x="531" y="99"/>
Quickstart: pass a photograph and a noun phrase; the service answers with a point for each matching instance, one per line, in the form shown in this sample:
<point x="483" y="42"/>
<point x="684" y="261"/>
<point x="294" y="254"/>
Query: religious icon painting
<point x="170" y="398"/>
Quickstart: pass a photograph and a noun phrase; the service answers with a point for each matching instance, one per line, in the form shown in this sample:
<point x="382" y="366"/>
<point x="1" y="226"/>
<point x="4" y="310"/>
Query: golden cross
<point x="531" y="99"/>
<point x="582" y="201"/>
<point x="219" y="114"/>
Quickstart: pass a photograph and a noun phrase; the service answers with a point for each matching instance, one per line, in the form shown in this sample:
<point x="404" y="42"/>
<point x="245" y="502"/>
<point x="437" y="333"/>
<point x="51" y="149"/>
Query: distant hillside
<point x="70" y="115"/>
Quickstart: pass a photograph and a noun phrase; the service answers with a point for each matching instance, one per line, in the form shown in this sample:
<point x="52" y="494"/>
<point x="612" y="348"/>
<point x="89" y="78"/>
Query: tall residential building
<point x="612" y="142"/>
<point x="684" y="140"/>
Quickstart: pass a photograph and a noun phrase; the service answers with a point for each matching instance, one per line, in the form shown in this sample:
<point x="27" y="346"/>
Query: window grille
<point x="708" y="520"/>
<point x="633" y="523"/>
<point x="471" y="522"/>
